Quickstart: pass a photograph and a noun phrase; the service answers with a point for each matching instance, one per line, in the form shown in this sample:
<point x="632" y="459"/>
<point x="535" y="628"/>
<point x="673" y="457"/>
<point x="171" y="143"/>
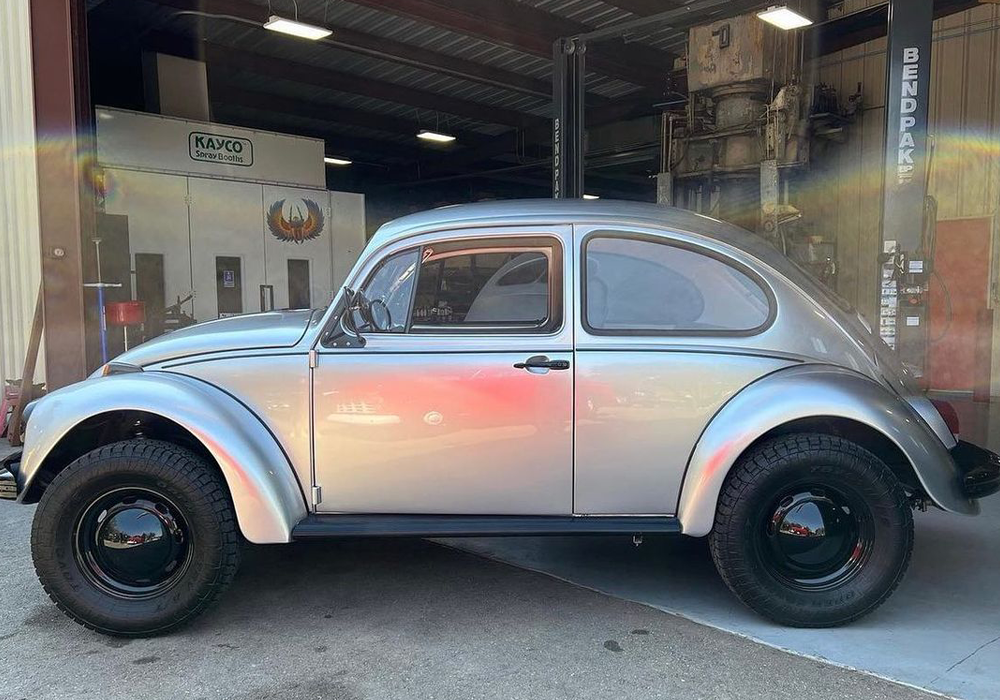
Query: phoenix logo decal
<point x="297" y="227"/>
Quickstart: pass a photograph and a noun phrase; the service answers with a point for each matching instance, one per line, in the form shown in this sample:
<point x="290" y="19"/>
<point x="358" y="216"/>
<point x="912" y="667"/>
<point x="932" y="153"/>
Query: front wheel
<point x="135" y="538"/>
<point x="812" y="531"/>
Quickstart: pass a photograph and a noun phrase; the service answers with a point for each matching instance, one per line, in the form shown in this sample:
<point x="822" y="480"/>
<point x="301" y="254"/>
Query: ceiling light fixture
<point x="591" y="196"/>
<point x="330" y="160"/>
<point x="435" y="136"/>
<point x="296" y="28"/>
<point x="783" y="17"/>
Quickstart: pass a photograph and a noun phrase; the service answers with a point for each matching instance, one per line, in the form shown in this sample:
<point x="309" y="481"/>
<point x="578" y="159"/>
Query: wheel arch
<point x="824" y="399"/>
<point x="259" y="478"/>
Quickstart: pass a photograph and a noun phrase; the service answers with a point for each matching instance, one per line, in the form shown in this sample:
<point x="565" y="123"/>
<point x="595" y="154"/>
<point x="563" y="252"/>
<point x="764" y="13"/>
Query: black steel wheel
<point x="132" y="543"/>
<point x="812" y="531"/>
<point x="815" y="537"/>
<point x="135" y="538"/>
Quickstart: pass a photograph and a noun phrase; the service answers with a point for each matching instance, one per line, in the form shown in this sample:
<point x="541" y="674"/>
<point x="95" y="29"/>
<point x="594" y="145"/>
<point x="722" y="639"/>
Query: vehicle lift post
<point x="569" y="92"/>
<point x="907" y="220"/>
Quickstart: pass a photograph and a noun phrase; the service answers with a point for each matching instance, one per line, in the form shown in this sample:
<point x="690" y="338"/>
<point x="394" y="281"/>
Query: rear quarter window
<point x="646" y="286"/>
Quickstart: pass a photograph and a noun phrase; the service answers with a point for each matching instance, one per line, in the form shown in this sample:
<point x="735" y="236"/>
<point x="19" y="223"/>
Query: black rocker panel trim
<point x="378" y="525"/>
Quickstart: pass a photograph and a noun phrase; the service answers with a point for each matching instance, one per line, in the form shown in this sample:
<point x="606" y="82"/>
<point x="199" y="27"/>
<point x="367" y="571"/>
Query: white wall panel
<point x="20" y="257"/>
<point x="347" y="232"/>
<point x="226" y="220"/>
<point x="157" y="210"/>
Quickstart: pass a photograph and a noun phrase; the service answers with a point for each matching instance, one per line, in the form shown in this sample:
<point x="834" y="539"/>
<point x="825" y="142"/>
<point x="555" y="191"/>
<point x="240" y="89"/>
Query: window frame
<point x="549" y="245"/>
<point x="772" y="305"/>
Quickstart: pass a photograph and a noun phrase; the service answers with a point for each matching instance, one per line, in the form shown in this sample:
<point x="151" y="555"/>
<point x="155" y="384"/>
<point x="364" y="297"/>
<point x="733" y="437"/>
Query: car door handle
<point x="541" y="362"/>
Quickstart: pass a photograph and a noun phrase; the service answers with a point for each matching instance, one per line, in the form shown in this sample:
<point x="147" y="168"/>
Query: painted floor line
<point x="703" y="623"/>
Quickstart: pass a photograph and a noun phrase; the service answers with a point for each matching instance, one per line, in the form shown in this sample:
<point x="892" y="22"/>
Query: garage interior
<point x="412" y="104"/>
<point x="428" y="103"/>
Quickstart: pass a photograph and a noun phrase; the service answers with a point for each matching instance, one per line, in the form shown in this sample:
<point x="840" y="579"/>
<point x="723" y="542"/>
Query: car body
<point x="688" y="343"/>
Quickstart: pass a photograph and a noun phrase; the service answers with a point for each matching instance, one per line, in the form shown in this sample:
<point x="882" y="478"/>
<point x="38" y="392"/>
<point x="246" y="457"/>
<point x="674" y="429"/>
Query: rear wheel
<point x="135" y="538"/>
<point x="812" y="531"/>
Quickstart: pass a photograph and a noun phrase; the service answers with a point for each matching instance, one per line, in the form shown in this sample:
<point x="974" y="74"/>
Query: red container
<point x="125" y="313"/>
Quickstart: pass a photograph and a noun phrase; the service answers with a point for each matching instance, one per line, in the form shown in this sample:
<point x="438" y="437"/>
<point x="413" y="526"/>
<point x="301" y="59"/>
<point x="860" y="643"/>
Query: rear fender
<point x="811" y="391"/>
<point x="265" y="492"/>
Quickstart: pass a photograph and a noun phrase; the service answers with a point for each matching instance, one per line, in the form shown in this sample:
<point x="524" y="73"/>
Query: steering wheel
<point x="377" y="312"/>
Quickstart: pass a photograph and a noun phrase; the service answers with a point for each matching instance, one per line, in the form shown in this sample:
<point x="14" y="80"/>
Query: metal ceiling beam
<point x="500" y="145"/>
<point x="224" y="93"/>
<point x="643" y="8"/>
<point x="232" y="58"/>
<point x="524" y="28"/>
<point x="865" y="25"/>
<point x="375" y="46"/>
<point x="648" y="8"/>
<point x="352" y="146"/>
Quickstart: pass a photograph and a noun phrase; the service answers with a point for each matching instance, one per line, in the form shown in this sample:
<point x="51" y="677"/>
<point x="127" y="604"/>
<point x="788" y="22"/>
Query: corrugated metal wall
<point x="20" y="261"/>
<point x="965" y="123"/>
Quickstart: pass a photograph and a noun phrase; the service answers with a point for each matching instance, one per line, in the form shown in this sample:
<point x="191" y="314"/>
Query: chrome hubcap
<point x="815" y="537"/>
<point x="132" y="543"/>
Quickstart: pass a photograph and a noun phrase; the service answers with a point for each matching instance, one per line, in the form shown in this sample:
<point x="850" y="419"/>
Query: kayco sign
<point x="219" y="148"/>
<point x="158" y="143"/>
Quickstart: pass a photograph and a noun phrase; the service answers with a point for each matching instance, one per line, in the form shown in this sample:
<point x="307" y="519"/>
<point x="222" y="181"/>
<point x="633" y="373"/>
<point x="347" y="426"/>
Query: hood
<point x="273" y="329"/>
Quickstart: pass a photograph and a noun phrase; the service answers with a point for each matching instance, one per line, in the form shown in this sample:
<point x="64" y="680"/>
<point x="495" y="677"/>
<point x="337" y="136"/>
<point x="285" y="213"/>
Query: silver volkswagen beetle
<point x="517" y="368"/>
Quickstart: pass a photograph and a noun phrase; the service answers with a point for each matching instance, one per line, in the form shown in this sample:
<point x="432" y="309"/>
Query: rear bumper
<point x="979" y="467"/>
<point x="9" y="468"/>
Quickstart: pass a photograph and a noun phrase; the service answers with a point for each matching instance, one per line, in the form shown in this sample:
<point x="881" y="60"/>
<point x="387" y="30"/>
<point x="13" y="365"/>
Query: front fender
<point x="266" y="495"/>
<point x="810" y="391"/>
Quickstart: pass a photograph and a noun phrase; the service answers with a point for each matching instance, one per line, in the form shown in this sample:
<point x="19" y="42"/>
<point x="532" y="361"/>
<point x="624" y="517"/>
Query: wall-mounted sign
<point x="157" y="143"/>
<point x="219" y="148"/>
<point x="302" y="220"/>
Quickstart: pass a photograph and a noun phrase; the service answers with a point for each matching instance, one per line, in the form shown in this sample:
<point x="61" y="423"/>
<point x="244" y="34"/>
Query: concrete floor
<point x="396" y="619"/>
<point x="940" y="630"/>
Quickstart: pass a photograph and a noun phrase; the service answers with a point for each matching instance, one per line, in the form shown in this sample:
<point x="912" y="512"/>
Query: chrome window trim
<point x="665" y="239"/>
<point x="560" y="235"/>
<point x="538" y="328"/>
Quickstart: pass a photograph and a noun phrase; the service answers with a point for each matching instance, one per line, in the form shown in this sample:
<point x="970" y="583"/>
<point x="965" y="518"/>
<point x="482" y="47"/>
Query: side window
<point x="488" y="286"/>
<point x="392" y="284"/>
<point x="640" y="286"/>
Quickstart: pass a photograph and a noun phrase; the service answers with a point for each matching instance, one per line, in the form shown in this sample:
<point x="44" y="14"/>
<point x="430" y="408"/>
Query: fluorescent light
<point x="437" y="137"/>
<point x="296" y="28"/>
<point x="336" y="161"/>
<point x="783" y="18"/>
<point x="591" y="196"/>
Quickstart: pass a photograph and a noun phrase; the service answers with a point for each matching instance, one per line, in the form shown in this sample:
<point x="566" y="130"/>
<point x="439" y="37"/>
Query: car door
<point x="666" y="332"/>
<point x="464" y="403"/>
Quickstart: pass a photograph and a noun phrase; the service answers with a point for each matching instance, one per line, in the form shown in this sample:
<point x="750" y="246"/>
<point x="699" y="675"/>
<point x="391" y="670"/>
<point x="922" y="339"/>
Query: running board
<point x="324" y="526"/>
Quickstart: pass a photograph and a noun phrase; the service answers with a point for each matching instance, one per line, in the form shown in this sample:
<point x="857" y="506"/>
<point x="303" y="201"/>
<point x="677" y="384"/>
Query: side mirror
<point x="353" y="304"/>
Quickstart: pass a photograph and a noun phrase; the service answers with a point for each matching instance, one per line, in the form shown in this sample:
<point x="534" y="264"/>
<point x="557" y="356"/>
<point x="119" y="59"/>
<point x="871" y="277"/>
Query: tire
<point x="812" y="531"/>
<point x="135" y="538"/>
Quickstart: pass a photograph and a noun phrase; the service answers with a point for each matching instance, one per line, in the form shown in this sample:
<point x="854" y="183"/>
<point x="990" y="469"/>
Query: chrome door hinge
<point x="313" y="359"/>
<point x="317" y="495"/>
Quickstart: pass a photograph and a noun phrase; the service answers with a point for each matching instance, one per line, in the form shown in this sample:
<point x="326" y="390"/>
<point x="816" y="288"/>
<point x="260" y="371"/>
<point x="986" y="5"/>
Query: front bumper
<point x="9" y="468"/>
<point x="979" y="467"/>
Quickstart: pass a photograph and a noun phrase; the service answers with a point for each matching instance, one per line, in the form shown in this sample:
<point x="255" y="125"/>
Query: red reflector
<point x="948" y="413"/>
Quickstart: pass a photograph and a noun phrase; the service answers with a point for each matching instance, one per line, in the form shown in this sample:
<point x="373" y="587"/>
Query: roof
<point x="565" y="211"/>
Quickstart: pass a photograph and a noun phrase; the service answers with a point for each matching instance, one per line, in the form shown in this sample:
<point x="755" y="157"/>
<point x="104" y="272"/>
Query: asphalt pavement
<point x="395" y="619"/>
